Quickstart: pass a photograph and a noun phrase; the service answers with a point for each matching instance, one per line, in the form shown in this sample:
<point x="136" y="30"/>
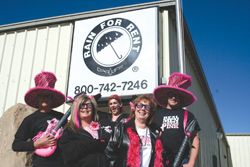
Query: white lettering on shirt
<point x="170" y="122"/>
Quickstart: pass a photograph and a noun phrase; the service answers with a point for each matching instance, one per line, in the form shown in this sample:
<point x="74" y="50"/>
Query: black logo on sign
<point x="112" y="47"/>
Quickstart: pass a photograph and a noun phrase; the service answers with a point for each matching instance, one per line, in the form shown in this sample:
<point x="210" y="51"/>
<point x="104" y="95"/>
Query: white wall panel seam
<point x="15" y="64"/>
<point x="69" y="56"/>
<point x="2" y="54"/>
<point x="22" y="62"/>
<point x="57" y="46"/>
<point x="46" y="47"/>
<point x="9" y="70"/>
<point x="33" y="59"/>
<point x="24" y="84"/>
<point x="57" y="55"/>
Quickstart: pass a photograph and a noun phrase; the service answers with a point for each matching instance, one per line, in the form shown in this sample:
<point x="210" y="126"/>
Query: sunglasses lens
<point x="139" y="106"/>
<point x="85" y="105"/>
<point x="146" y="107"/>
<point x="173" y="95"/>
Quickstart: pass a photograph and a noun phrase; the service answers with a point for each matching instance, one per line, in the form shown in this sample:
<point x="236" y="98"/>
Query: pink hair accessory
<point x="94" y="125"/>
<point x="75" y="112"/>
<point x="132" y="106"/>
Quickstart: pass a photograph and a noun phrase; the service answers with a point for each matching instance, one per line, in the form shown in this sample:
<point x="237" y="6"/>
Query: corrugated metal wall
<point x="240" y="149"/>
<point x="212" y="148"/>
<point x="25" y="53"/>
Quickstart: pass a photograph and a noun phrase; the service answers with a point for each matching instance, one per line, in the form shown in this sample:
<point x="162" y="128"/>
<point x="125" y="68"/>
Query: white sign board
<point x="115" y="54"/>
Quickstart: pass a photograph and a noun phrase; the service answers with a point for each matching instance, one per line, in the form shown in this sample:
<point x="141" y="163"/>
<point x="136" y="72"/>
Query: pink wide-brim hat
<point x="45" y="82"/>
<point x="178" y="83"/>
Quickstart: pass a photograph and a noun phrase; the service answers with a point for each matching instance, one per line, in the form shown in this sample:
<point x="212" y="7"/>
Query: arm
<point x="194" y="152"/>
<point x="21" y="142"/>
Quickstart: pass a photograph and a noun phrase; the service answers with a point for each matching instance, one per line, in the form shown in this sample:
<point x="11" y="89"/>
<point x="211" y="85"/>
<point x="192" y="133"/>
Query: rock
<point x="9" y="123"/>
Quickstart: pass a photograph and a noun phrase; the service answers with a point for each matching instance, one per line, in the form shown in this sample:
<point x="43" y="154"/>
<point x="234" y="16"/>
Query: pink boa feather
<point x="133" y="159"/>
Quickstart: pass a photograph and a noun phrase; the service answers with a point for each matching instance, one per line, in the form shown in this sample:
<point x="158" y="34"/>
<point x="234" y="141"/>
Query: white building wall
<point x="25" y="53"/>
<point x="240" y="149"/>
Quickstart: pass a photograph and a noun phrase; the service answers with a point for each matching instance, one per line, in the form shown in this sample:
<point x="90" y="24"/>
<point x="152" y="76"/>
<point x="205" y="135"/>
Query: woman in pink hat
<point x="115" y="109"/>
<point x="43" y="97"/>
<point x="85" y="137"/>
<point x="172" y="118"/>
<point x="136" y="143"/>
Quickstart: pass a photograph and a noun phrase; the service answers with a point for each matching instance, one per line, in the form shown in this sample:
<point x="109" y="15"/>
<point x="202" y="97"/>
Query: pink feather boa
<point x="158" y="153"/>
<point x="133" y="157"/>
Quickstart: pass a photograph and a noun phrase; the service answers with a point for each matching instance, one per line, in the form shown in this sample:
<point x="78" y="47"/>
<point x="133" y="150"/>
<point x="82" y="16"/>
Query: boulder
<point x="9" y="123"/>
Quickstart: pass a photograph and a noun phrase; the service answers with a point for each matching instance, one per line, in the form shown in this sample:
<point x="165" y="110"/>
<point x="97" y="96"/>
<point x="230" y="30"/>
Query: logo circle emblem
<point x="112" y="47"/>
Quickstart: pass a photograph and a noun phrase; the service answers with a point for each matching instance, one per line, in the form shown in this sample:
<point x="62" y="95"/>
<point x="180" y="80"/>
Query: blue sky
<point x="220" y="31"/>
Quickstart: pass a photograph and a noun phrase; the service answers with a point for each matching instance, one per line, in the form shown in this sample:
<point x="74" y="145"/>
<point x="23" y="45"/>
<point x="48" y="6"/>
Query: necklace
<point x="146" y="137"/>
<point x="143" y="134"/>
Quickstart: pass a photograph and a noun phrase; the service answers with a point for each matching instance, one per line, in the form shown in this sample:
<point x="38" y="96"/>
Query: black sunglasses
<point x="146" y="107"/>
<point x="171" y="95"/>
<point x="85" y="105"/>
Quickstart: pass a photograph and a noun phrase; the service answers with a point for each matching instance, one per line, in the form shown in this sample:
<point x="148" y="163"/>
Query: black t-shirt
<point x="171" y="124"/>
<point x="29" y="128"/>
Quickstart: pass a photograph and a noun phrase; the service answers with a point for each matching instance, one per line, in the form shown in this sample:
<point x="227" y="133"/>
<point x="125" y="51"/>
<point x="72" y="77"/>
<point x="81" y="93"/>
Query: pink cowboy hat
<point x="178" y="83"/>
<point x="45" y="83"/>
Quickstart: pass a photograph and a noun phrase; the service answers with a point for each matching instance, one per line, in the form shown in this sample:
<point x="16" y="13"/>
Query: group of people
<point x="150" y="135"/>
